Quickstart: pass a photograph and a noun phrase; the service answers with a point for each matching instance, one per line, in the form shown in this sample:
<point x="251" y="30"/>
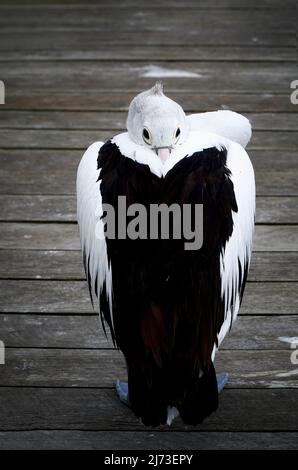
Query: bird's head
<point x="157" y="122"/>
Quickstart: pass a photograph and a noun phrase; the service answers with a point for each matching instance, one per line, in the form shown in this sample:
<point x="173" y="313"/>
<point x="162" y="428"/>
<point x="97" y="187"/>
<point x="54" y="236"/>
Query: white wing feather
<point x="239" y="246"/>
<point x="89" y="212"/>
<point x="228" y="124"/>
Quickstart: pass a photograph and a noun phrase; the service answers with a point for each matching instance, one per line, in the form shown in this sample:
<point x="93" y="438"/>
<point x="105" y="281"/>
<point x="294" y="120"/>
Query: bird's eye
<point x="177" y="134"/>
<point x="147" y="136"/>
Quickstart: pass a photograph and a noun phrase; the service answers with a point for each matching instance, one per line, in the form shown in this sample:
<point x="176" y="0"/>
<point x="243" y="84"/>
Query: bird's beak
<point x="163" y="153"/>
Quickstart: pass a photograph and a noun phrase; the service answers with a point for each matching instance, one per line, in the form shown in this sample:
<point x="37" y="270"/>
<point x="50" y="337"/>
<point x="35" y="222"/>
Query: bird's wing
<point x="89" y="212"/>
<point x="228" y="124"/>
<point x="235" y="258"/>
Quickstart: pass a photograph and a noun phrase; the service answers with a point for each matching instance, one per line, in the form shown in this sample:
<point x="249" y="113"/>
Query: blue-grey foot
<point x="122" y="387"/>
<point x="222" y="380"/>
<point x="122" y="391"/>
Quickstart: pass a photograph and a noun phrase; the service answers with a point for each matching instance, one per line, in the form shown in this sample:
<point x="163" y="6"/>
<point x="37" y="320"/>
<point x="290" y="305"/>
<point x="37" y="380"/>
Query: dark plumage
<point x="166" y="307"/>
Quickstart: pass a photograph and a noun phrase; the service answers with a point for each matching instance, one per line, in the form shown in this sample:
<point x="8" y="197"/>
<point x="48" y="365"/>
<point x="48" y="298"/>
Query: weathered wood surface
<point x="56" y="264"/>
<point x="100" y="368"/>
<point x="253" y="332"/>
<point x="274" y="266"/>
<point x="81" y="139"/>
<point x="199" y="101"/>
<point x="147" y="440"/>
<point x="140" y="20"/>
<point x="54" y="171"/>
<point x="15" y="38"/>
<point x="276" y="210"/>
<point x="64" y="77"/>
<point x="154" y="53"/>
<point x="70" y="72"/>
<point x="265" y="410"/>
<point x="63" y="236"/>
<point x="42" y="296"/>
<point x="201" y="4"/>
<point x="116" y="121"/>
<point x="67" y="265"/>
<point x="46" y="208"/>
<point x="38" y="208"/>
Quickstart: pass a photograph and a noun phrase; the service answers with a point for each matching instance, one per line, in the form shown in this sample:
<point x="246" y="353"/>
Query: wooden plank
<point x="198" y="102"/>
<point x="55" y="331"/>
<point x="155" y="53"/>
<point x="52" y="139"/>
<point x="100" y="368"/>
<point x="85" y="331"/>
<point x="44" y="296"/>
<point x="260" y="332"/>
<point x="38" y="172"/>
<point x="66" y="237"/>
<point x="266" y="298"/>
<point x="143" y="4"/>
<point x="273" y="140"/>
<point x="87" y="120"/>
<point x="276" y="238"/>
<point x="87" y="38"/>
<point x="147" y="19"/>
<point x="83" y="409"/>
<point x="60" y="77"/>
<point x="70" y="297"/>
<point x="38" y="235"/>
<point x="67" y="265"/>
<point x="272" y="266"/>
<point x="273" y="121"/>
<point x="44" y="208"/>
<point x="150" y="440"/>
<point x="281" y="210"/>
<point x="205" y="4"/>
<point x="54" y="171"/>
<point x="38" y="208"/>
<point x="80" y="139"/>
<point x="274" y="174"/>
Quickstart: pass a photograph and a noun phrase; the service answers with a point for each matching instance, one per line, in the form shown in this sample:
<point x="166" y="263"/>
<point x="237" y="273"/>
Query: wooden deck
<point x="70" y="72"/>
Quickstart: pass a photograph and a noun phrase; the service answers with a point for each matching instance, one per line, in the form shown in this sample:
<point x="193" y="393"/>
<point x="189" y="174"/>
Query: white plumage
<point x="228" y="124"/>
<point x="199" y="132"/>
<point x="89" y="212"/>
